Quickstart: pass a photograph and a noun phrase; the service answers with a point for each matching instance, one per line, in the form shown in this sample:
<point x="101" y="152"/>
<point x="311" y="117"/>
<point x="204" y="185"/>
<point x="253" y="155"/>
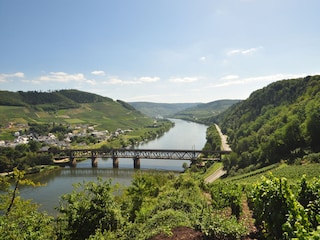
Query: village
<point x="80" y="133"/>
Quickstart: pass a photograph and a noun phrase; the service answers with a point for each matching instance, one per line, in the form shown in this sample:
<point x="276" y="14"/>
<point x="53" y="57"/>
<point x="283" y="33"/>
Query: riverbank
<point x="33" y="170"/>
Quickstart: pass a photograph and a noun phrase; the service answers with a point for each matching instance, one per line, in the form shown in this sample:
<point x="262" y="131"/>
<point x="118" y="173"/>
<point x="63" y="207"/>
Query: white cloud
<point x="32" y="81"/>
<point x="118" y="81"/>
<point x="230" y="77"/>
<point x="267" y="79"/>
<point x="149" y="79"/>
<point x="202" y="59"/>
<point x="62" y="77"/>
<point x="91" y="81"/>
<point x="184" y="79"/>
<point x="5" y="77"/>
<point x="141" y="80"/>
<point x="242" y="51"/>
<point x="98" y="73"/>
<point x="18" y="74"/>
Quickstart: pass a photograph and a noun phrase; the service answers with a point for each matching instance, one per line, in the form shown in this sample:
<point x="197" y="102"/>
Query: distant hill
<point x="68" y="107"/>
<point x="205" y="111"/>
<point x="160" y="109"/>
<point x="278" y="122"/>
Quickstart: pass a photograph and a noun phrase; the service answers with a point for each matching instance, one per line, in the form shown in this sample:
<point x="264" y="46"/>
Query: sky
<point x="168" y="51"/>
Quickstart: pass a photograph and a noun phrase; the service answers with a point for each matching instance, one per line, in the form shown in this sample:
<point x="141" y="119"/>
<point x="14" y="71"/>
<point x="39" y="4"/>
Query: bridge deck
<point x="138" y="153"/>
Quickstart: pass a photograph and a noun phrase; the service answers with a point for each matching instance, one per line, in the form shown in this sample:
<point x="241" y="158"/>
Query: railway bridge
<point x="70" y="155"/>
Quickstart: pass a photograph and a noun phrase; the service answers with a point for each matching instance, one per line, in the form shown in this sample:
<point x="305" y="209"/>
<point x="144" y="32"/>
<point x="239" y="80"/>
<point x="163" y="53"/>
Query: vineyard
<point x="291" y="172"/>
<point x="284" y="200"/>
<point x="287" y="212"/>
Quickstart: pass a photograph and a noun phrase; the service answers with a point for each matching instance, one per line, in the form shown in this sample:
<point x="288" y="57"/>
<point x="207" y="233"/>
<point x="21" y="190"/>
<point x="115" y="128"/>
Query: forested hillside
<point x="279" y="122"/>
<point x="52" y="100"/>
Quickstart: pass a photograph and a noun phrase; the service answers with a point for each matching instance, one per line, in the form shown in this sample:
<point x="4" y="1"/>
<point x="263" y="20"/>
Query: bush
<point x="89" y="207"/>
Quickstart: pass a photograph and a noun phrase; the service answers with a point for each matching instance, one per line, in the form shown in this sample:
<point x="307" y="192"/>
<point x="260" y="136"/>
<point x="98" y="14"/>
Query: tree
<point x="142" y="187"/>
<point x="20" y="219"/>
<point x="5" y="164"/>
<point x="34" y="146"/>
<point x="91" y="206"/>
<point x="292" y="137"/>
<point x="313" y="126"/>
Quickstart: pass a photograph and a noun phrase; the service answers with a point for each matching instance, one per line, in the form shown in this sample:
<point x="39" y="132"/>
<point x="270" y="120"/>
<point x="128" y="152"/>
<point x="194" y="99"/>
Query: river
<point x="184" y="135"/>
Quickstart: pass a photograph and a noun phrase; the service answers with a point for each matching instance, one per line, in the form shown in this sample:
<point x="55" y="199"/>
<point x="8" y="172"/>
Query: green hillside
<point x="68" y="107"/>
<point x="279" y="122"/>
<point x="160" y="109"/>
<point x="205" y="111"/>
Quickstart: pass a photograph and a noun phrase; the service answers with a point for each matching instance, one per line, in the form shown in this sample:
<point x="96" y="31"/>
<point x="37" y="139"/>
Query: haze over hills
<point x="189" y="111"/>
<point x="161" y="109"/>
<point x="203" y="112"/>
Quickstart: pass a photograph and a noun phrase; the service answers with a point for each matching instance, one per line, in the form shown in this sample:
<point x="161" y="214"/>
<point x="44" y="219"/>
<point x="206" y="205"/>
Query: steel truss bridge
<point x="137" y="154"/>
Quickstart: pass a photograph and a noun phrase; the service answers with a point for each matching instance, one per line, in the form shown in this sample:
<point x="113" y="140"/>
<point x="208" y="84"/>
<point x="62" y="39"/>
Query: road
<point x="214" y="176"/>
<point x="225" y="147"/>
<point x="224" y="142"/>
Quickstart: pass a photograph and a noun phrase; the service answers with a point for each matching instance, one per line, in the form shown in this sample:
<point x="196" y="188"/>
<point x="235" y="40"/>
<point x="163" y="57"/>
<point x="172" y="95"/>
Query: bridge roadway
<point x="135" y="154"/>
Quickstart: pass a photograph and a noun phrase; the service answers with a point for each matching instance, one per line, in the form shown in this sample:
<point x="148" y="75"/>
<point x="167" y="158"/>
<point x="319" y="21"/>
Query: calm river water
<point x="185" y="135"/>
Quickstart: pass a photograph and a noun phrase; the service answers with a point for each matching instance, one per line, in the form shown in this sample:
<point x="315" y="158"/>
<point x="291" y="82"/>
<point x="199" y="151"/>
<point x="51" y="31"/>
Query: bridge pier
<point x="72" y="162"/>
<point x="136" y="163"/>
<point x="94" y="161"/>
<point x="115" y="162"/>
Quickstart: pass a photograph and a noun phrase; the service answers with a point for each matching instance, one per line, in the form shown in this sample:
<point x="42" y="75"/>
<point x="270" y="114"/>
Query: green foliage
<point x="227" y="195"/>
<point x="160" y="203"/>
<point x="83" y="97"/>
<point x="216" y="226"/>
<point x="213" y="142"/>
<point x="281" y="214"/>
<point x="280" y="121"/>
<point x="19" y="219"/>
<point x="10" y="99"/>
<point x="163" y="221"/>
<point x="126" y="105"/>
<point x="143" y="187"/>
<point x="309" y="197"/>
<point x="25" y="222"/>
<point x="89" y="207"/>
<point x="23" y="156"/>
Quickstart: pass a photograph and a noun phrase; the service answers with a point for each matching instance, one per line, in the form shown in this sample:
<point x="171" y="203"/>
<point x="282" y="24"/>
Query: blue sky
<point x="157" y="50"/>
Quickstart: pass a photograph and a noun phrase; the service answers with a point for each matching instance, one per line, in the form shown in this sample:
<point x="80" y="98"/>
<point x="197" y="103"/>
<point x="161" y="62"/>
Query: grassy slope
<point x="101" y="112"/>
<point x="103" y="115"/>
